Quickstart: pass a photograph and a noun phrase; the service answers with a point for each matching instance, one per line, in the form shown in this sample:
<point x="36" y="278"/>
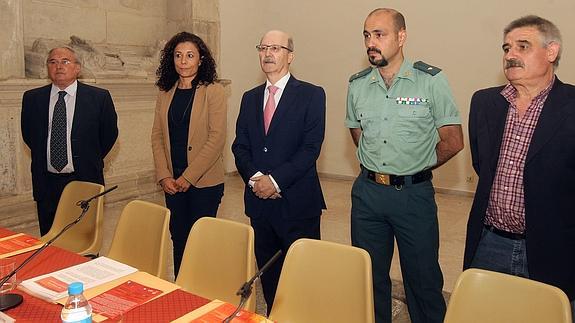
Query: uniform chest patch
<point x="411" y="101"/>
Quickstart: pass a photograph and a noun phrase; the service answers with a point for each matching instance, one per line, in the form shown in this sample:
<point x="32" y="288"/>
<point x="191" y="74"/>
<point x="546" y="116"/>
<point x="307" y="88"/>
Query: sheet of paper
<point x="93" y="273"/>
<point x="140" y="277"/>
<point x="122" y="298"/>
<point x="217" y="311"/>
<point x="17" y="244"/>
<point x="4" y="318"/>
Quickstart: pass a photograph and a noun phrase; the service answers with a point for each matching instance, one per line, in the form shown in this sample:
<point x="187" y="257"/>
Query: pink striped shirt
<point x="506" y="208"/>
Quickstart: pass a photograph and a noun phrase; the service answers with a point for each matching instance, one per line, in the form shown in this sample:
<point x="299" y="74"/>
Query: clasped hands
<point x="173" y="186"/>
<point x="264" y="187"/>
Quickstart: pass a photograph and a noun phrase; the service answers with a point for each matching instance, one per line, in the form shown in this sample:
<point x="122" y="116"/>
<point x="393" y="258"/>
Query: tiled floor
<point x="453" y="212"/>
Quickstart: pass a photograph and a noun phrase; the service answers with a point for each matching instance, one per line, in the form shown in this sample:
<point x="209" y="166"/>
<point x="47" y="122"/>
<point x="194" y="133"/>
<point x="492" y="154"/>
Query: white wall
<point x="461" y="37"/>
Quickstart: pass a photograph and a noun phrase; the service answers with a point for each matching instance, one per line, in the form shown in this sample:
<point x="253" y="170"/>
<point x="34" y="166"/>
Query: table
<point x="163" y="309"/>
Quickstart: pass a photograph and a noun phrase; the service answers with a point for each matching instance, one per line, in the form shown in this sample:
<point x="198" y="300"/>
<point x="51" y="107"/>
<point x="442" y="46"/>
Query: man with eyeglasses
<point x="403" y="119"/>
<point x="279" y="132"/>
<point x="69" y="127"/>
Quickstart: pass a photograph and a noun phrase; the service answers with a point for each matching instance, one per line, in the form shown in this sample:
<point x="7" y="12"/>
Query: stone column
<point x="201" y="17"/>
<point x="11" y="40"/>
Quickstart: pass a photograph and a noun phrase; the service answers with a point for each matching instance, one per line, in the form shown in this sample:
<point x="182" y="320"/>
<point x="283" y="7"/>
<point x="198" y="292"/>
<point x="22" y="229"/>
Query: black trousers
<point x="273" y="233"/>
<point x="49" y="203"/>
<point x="186" y="208"/>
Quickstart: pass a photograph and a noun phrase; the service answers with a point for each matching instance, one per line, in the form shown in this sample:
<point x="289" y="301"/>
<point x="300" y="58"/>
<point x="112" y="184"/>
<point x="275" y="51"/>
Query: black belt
<point x="505" y="234"/>
<point x="387" y="179"/>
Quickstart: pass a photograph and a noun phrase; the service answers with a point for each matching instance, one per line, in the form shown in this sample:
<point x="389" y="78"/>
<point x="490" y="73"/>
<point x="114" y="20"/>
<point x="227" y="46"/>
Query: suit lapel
<point x="82" y="103"/>
<point x="259" y="106"/>
<point x="288" y="97"/>
<point x="198" y="104"/>
<point x="495" y="119"/>
<point x="553" y="113"/>
<point x="43" y="104"/>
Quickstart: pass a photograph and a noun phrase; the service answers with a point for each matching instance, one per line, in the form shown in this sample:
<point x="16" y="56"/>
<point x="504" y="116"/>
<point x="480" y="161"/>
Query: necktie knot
<point x="273" y="89"/>
<point x="61" y="94"/>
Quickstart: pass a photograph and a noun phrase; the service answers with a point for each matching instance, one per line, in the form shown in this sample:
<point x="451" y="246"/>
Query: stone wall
<point x="131" y="27"/>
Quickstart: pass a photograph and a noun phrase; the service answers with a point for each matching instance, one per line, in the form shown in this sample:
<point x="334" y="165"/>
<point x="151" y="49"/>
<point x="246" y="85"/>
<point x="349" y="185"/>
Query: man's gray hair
<point x="70" y="49"/>
<point x="549" y="32"/>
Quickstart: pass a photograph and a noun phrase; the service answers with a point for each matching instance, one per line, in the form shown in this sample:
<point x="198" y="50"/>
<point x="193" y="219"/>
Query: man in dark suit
<point x="522" y="139"/>
<point x="279" y="132"/>
<point x="69" y="127"/>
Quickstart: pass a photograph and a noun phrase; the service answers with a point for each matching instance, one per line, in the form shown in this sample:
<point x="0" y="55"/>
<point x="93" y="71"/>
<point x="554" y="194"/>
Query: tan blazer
<point x="206" y="136"/>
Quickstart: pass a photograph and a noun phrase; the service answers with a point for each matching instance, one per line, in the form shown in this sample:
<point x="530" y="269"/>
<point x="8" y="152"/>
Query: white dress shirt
<point x="280" y="84"/>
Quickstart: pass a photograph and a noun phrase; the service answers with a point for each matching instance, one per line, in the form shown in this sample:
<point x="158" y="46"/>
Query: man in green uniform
<point x="403" y="119"/>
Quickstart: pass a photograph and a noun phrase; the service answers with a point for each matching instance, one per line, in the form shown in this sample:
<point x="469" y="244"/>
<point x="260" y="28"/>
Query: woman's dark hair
<point x="166" y="72"/>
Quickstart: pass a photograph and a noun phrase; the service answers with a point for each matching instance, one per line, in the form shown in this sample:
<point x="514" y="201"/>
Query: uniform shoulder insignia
<point x="424" y="67"/>
<point x="360" y="74"/>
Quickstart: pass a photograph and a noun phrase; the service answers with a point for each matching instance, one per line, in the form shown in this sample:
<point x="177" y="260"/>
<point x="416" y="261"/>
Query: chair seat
<point x="218" y="259"/>
<point x="85" y="237"/>
<point x="323" y="281"/>
<point x="141" y="238"/>
<point x="482" y="296"/>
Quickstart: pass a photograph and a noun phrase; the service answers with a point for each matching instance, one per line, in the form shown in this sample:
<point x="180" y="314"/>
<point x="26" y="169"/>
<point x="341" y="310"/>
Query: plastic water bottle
<point x="77" y="309"/>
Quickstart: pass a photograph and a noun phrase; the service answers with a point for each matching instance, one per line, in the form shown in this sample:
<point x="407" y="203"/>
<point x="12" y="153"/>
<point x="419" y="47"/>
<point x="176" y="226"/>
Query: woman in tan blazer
<point x="188" y="135"/>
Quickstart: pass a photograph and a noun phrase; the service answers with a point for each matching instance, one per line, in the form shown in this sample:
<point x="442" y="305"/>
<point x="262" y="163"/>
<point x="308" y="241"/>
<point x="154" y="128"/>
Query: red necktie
<point x="270" y="107"/>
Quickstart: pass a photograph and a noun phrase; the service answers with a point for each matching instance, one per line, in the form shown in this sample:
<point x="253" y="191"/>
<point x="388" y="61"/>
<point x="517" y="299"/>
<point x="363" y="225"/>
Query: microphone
<point x="246" y="289"/>
<point x="10" y="300"/>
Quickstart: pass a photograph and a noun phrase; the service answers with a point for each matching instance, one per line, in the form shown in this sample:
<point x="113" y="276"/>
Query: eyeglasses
<point x="272" y="48"/>
<point x="56" y="62"/>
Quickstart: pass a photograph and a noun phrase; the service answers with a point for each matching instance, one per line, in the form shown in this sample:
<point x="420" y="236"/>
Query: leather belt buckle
<point x="384" y="179"/>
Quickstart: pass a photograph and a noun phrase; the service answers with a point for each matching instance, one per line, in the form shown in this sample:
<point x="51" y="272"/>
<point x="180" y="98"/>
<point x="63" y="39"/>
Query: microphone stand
<point x="10" y="300"/>
<point x="246" y="289"/>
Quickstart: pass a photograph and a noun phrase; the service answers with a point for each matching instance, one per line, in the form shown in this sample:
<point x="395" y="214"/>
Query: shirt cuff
<point x="250" y="182"/>
<point x="275" y="184"/>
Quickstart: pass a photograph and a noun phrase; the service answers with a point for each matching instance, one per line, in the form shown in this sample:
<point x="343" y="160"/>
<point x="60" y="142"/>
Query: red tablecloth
<point x="163" y="309"/>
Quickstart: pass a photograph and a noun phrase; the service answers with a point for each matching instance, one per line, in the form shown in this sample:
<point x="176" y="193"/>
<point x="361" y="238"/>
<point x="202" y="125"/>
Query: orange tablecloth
<point x="32" y="309"/>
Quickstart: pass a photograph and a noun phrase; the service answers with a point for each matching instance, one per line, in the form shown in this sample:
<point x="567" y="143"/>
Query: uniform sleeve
<point x="443" y="107"/>
<point x="351" y="120"/>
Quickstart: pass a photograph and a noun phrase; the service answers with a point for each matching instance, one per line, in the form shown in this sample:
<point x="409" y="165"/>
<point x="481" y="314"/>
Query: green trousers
<point x="408" y="213"/>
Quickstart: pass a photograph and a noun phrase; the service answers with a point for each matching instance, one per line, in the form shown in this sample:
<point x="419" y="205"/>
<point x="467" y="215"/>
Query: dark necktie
<point x="58" y="143"/>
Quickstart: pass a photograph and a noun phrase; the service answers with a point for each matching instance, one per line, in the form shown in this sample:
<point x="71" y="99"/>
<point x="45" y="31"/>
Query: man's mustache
<point x="269" y="60"/>
<point x="513" y="63"/>
<point x="373" y="49"/>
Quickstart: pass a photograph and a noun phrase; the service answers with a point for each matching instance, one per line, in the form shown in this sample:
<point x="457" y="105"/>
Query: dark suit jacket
<point x="549" y="181"/>
<point x="94" y="131"/>
<point x="289" y="151"/>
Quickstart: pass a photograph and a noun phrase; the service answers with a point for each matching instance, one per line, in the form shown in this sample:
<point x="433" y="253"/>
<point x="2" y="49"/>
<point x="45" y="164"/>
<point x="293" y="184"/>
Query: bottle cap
<point x="75" y="288"/>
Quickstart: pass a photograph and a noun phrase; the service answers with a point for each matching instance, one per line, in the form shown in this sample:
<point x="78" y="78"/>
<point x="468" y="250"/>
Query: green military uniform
<point x="399" y="135"/>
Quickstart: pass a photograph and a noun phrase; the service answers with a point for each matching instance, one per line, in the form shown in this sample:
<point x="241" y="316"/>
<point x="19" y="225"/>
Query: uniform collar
<point x="406" y="71"/>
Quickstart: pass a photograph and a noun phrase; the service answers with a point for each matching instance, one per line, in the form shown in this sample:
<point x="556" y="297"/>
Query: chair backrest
<point x="218" y="259"/>
<point x="141" y="238"/>
<point x="491" y="297"/>
<point x="86" y="236"/>
<point x="324" y="281"/>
